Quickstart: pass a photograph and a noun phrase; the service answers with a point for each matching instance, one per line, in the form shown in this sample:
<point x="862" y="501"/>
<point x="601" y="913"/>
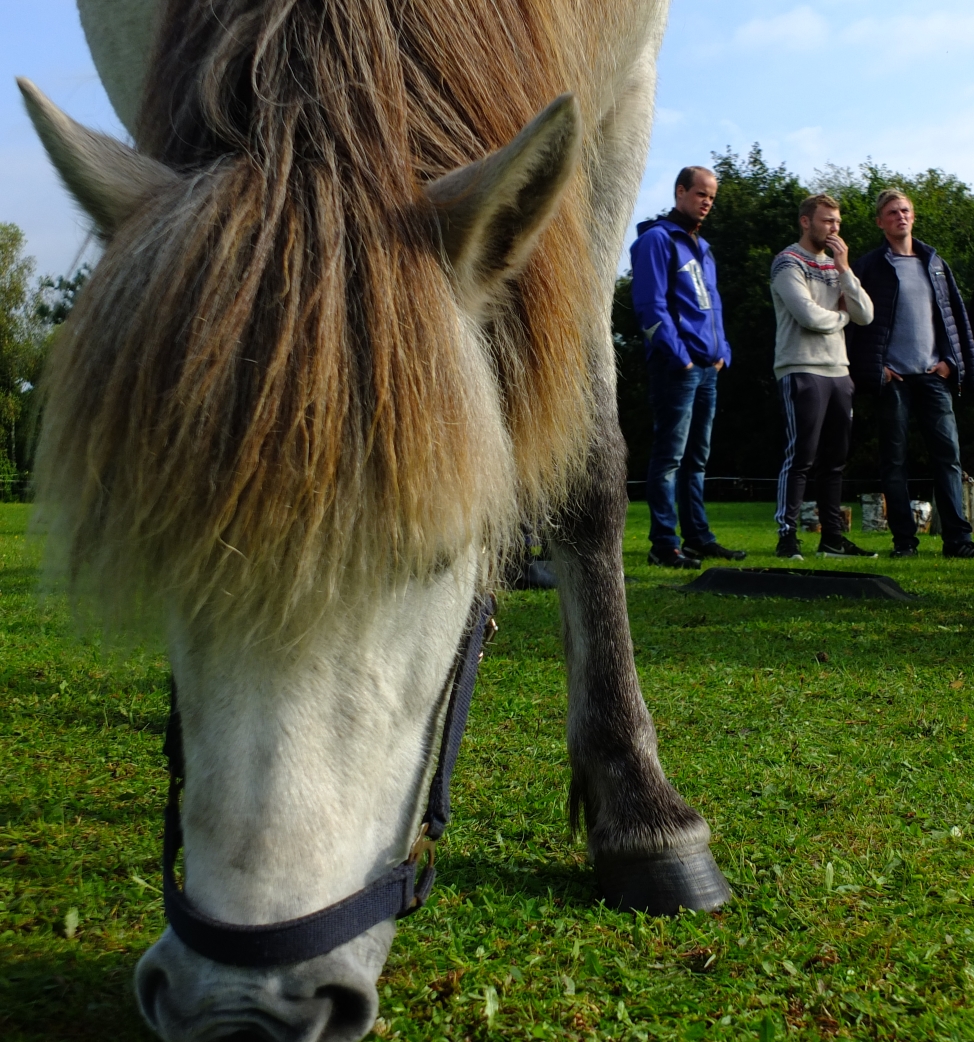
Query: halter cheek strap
<point x="396" y="894"/>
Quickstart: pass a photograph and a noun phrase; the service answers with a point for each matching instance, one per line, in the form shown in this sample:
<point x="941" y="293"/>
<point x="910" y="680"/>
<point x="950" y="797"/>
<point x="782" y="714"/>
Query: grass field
<point x="828" y="744"/>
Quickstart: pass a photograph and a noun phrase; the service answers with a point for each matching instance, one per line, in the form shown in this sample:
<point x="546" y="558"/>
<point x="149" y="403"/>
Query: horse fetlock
<point x="628" y="802"/>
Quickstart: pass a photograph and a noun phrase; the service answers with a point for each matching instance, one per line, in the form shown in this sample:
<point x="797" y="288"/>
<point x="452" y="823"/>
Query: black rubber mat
<point x="802" y="583"/>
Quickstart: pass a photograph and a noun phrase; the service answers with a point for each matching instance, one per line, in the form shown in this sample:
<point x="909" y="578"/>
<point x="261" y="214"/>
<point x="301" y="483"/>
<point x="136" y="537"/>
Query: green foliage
<point x="29" y="315"/>
<point x="754" y="217"/>
<point x="828" y="744"/>
<point x="17" y="336"/>
<point x="943" y="203"/>
<point x="58" y="296"/>
<point x="9" y="480"/>
<point x="632" y="389"/>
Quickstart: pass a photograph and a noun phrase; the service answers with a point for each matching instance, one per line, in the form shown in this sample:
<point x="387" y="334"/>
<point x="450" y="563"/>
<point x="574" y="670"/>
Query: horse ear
<point x="491" y="213"/>
<point x="108" y="179"/>
<point x="120" y="34"/>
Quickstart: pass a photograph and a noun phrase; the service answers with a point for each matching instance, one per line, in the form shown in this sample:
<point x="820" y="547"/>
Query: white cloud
<point x="874" y="41"/>
<point x="736" y="139"/>
<point x="947" y="145"/>
<point x="912" y="36"/>
<point x="809" y="141"/>
<point x="802" y="29"/>
<point x="816" y="81"/>
<point x="665" y="117"/>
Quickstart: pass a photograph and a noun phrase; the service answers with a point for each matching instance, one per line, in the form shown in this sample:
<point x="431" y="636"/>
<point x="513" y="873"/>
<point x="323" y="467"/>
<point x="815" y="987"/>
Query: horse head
<point x="350" y="327"/>
<point x="277" y="430"/>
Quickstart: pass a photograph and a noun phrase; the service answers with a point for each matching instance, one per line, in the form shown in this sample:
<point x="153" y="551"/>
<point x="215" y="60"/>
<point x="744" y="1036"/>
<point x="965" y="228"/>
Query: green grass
<point x="827" y="743"/>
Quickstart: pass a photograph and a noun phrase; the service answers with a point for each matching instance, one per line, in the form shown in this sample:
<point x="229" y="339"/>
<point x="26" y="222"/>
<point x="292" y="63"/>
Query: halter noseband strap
<point x="393" y="895"/>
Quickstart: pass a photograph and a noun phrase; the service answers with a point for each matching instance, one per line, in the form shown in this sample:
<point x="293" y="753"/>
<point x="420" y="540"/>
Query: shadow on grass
<point x="74" y="995"/>
<point x="136" y="810"/>
<point x="92" y="714"/>
<point x="751" y="632"/>
<point x="22" y="581"/>
<point x="572" y="886"/>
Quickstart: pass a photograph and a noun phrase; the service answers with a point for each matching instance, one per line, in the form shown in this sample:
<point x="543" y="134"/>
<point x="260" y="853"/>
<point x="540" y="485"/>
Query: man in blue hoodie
<point x="674" y="292"/>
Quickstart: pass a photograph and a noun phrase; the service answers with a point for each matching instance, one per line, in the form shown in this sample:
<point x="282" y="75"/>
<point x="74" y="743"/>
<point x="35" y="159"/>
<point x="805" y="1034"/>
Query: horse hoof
<point x="662" y="883"/>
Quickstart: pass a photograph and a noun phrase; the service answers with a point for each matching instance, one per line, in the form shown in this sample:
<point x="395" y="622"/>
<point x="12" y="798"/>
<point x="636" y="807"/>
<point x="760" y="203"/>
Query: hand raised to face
<point x="840" y="251"/>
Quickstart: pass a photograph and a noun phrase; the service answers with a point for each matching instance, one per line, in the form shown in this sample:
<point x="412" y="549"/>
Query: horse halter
<point x="395" y="894"/>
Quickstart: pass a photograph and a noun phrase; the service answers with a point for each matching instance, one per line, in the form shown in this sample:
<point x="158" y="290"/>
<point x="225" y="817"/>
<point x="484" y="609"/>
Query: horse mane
<point x="267" y="395"/>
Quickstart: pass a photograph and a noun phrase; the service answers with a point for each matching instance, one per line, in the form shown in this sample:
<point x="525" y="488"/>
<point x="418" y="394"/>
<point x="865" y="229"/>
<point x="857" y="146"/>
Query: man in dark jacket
<point x="916" y="347"/>
<point x="674" y="292"/>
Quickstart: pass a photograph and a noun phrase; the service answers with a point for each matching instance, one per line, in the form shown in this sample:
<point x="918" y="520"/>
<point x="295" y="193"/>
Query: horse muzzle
<point x="185" y="997"/>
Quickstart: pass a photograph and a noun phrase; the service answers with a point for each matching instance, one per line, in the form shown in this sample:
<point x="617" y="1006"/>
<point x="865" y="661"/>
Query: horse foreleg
<point x="650" y="848"/>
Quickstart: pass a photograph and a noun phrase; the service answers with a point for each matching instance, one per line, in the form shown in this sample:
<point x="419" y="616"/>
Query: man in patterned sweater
<point x="815" y="296"/>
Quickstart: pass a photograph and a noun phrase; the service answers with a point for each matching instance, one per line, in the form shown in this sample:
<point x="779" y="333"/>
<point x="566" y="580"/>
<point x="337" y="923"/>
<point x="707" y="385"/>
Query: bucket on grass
<point x="874" y="512"/>
<point x="808" y="517"/>
<point x="922" y="514"/>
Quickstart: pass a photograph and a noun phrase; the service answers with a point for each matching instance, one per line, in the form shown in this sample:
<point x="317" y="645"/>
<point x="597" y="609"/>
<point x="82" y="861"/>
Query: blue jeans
<point x="683" y="403"/>
<point x="928" y="397"/>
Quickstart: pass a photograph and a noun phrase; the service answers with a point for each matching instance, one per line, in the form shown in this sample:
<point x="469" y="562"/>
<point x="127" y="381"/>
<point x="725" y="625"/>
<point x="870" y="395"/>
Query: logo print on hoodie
<point x="693" y="269"/>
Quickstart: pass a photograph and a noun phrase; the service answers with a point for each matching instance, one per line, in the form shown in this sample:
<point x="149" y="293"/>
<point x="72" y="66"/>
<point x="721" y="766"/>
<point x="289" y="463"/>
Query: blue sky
<point x="42" y="39"/>
<point x="837" y="81"/>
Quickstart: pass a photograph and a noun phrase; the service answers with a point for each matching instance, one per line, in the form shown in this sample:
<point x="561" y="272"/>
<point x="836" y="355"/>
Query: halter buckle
<point x="490" y="631"/>
<point x="423" y="847"/>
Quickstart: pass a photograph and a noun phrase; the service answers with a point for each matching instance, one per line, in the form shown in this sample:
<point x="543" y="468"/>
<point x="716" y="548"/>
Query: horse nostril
<point x="351" y="1010"/>
<point x="148" y="987"/>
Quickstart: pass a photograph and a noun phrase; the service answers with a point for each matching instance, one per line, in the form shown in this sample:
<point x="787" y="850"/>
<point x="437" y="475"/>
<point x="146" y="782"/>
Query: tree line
<point x="754" y="217"/>
<point x="31" y="309"/>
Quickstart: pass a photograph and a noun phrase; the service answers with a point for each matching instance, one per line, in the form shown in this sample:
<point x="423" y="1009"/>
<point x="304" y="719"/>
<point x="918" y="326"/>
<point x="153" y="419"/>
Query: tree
<point x="944" y="208"/>
<point x="57" y="296"/>
<point x="29" y="314"/>
<point x="632" y="388"/>
<point x="18" y="343"/>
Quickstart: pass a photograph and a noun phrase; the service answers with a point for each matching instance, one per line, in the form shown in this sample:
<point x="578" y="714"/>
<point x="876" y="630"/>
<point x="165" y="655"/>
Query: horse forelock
<point x="268" y="392"/>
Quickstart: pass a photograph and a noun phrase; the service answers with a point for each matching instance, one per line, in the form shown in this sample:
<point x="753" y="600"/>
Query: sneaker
<point x="959" y="550"/>
<point x="672" y="558"/>
<point x="842" y="548"/>
<point x="789" y="546"/>
<point x="904" y="551"/>
<point x="698" y="551"/>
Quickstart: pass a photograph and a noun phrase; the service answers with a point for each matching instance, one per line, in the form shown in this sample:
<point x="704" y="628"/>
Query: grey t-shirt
<point x="913" y="341"/>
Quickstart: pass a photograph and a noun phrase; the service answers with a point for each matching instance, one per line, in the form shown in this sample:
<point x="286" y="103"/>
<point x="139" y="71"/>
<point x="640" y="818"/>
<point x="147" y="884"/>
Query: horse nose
<point x="185" y="997"/>
<point x="336" y="1014"/>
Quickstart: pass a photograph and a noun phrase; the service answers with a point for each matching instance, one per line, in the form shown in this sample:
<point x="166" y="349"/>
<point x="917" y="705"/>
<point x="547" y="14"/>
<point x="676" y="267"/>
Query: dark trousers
<point x="684" y="402"/>
<point x="927" y="396"/>
<point x="818" y="423"/>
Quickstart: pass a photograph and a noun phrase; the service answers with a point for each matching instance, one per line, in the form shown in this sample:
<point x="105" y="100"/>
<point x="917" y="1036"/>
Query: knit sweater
<point x="806" y="288"/>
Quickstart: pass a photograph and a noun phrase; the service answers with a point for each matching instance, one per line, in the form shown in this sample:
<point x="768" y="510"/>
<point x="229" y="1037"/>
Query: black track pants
<point x="818" y="422"/>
